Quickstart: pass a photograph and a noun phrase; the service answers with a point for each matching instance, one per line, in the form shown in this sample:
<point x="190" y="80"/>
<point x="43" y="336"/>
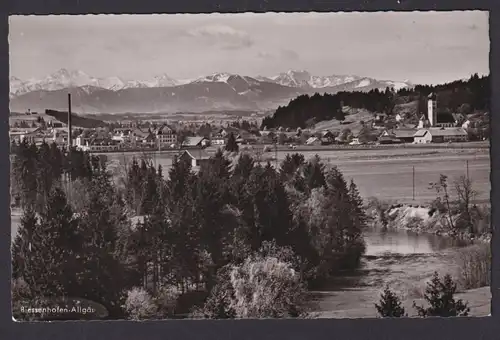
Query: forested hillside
<point x="76" y="120"/>
<point x="460" y="96"/>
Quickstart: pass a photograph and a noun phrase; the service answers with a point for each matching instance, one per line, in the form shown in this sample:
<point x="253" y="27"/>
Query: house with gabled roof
<point x="196" y="157"/>
<point x="397" y="136"/>
<point x="195" y="142"/>
<point x="440" y="135"/>
<point x="166" y="135"/>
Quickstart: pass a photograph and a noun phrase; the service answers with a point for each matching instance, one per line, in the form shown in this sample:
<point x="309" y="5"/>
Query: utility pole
<point x="413" y="183"/>
<point x="70" y="142"/>
<point x="276" y="154"/>
<point x="467" y="168"/>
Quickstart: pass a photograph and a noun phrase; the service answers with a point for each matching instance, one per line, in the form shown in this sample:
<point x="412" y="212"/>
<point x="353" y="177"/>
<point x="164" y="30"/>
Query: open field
<point x="385" y="174"/>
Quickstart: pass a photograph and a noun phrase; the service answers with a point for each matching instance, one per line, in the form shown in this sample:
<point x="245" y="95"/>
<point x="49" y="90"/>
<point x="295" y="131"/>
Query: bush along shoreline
<point x="452" y="214"/>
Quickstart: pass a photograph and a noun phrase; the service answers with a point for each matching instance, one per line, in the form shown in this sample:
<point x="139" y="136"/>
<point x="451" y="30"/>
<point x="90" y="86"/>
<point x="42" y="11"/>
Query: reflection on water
<point x="406" y="242"/>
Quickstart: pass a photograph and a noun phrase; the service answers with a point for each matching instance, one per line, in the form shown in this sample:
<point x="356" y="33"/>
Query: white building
<point x="440" y="135"/>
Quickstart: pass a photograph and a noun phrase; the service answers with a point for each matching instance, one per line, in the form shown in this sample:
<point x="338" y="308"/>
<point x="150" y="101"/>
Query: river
<point x="401" y="259"/>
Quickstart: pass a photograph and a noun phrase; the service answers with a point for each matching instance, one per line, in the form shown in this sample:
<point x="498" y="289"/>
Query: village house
<point x="379" y="120"/>
<point x="99" y="145"/>
<point x="313" y="141"/>
<point x="30" y="135"/>
<point x="225" y="132"/>
<point x="123" y="135"/>
<point x="166" y="135"/>
<point x="55" y="124"/>
<point x="440" y="135"/>
<point x="218" y="140"/>
<point x="245" y="137"/>
<point x="60" y="136"/>
<point x="195" y="157"/>
<point x="327" y="137"/>
<point x="397" y="136"/>
<point x="195" y="142"/>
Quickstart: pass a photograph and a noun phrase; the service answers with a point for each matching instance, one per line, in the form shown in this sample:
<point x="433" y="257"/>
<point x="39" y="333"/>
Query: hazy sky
<point x="424" y="47"/>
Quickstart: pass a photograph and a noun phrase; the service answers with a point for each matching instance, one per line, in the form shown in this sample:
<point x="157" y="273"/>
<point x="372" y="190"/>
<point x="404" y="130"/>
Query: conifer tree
<point x="439" y="294"/>
<point x="390" y="305"/>
<point x="290" y="165"/>
<point x="44" y="175"/>
<point x="314" y="173"/>
<point x="101" y="273"/>
<point x="22" y="242"/>
<point x="50" y="259"/>
<point x="232" y="145"/>
<point x="244" y="166"/>
<point x="25" y="173"/>
<point x="56" y="161"/>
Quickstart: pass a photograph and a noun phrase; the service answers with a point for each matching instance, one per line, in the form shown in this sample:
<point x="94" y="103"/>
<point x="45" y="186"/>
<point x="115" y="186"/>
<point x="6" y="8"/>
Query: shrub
<point x="166" y="301"/>
<point x="218" y="304"/>
<point x="263" y="286"/>
<point x="474" y="266"/>
<point x="390" y="305"/>
<point x="414" y="223"/>
<point x="439" y="295"/>
<point x="266" y="287"/>
<point x="140" y="305"/>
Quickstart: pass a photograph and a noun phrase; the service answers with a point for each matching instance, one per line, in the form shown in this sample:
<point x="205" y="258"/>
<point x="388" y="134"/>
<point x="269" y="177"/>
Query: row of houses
<point x="395" y="136"/>
<point x="98" y="140"/>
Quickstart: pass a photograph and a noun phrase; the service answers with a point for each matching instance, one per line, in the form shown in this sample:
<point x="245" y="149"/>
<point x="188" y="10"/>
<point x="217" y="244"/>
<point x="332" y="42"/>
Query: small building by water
<point x="195" y="157"/>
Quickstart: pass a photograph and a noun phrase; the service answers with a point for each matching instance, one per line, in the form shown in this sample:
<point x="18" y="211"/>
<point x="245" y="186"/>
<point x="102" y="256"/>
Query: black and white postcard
<point x="248" y="166"/>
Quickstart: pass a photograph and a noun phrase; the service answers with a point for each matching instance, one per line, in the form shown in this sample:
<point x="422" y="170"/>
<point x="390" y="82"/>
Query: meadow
<point x="386" y="174"/>
<point x="383" y="173"/>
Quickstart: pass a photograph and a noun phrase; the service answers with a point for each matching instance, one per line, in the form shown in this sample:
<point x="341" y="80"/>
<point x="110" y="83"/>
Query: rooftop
<point x="193" y="141"/>
<point x="438" y="132"/>
<point x="196" y="154"/>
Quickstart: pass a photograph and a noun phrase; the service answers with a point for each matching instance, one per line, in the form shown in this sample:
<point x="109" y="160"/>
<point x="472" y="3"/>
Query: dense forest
<point x="234" y="240"/>
<point x="472" y="95"/>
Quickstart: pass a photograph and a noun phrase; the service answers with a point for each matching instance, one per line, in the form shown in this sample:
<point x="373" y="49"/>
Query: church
<point x="435" y="118"/>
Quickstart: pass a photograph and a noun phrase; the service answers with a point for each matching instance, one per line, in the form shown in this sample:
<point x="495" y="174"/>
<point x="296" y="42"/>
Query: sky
<point x="423" y="47"/>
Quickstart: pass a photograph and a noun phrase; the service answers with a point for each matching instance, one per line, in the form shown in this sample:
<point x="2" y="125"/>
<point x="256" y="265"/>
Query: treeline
<point x="76" y="120"/>
<point x="458" y="96"/>
<point x="235" y="239"/>
<point x="35" y="170"/>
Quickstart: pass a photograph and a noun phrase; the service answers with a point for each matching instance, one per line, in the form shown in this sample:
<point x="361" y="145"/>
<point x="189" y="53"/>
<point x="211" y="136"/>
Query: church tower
<point x="432" y="109"/>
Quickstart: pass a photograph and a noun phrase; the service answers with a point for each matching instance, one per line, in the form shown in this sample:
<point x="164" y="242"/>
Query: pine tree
<point x="440" y="297"/>
<point x="244" y="166"/>
<point x="100" y="272"/>
<point x="232" y="145"/>
<point x="290" y="165"/>
<point x="149" y="191"/>
<point x="25" y="173"/>
<point x="44" y="175"/>
<point x="22" y="242"/>
<point x="56" y="161"/>
<point x="50" y="259"/>
<point x="314" y="173"/>
<point x="390" y="305"/>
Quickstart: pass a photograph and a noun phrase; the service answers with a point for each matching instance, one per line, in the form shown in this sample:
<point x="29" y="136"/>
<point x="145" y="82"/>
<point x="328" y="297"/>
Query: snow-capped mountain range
<point x="73" y="78"/>
<point x="164" y="94"/>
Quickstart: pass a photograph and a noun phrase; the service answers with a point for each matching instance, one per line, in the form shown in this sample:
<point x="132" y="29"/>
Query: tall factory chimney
<point x="70" y="137"/>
